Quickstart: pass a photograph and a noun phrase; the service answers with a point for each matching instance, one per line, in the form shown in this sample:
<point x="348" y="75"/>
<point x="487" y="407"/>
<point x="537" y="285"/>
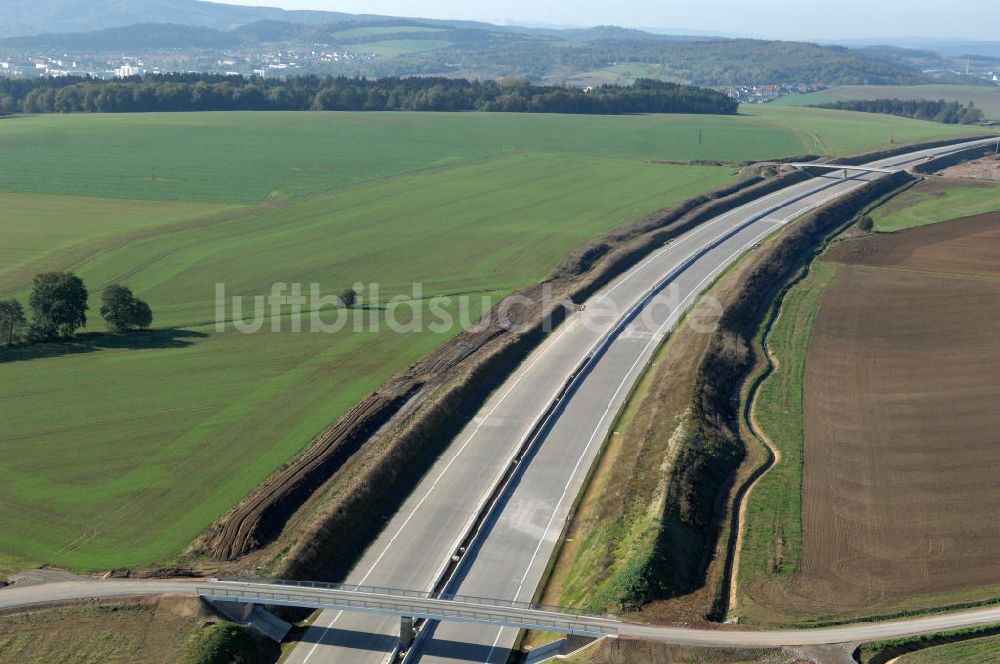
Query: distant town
<point x="274" y="64"/>
<point x="761" y="94"/>
<point x="250" y="63"/>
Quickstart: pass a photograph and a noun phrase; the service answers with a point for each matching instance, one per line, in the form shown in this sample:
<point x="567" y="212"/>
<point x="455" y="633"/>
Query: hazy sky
<point x="784" y="19"/>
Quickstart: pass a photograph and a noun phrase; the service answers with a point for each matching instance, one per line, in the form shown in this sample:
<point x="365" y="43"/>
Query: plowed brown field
<point x="902" y="420"/>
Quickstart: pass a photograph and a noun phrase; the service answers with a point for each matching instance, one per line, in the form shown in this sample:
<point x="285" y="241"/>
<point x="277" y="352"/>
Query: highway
<point x="518" y="541"/>
<point x="522" y="533"/>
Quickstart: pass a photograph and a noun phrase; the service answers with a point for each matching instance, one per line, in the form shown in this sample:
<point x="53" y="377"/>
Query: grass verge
<point x="772" y="537"/>
<point x="633" y="534"/>
<point x="978" y="645"/>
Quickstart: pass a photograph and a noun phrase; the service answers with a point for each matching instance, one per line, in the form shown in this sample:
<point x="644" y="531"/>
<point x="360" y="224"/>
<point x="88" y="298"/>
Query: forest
<point x="213" y="92"/>
<point x="947" y="112"/>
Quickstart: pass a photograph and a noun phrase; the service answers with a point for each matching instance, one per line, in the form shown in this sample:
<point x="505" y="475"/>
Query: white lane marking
<point x="687" y="236"/>
<point x="703" y="227"/>
<point x="670" y="321"/>
<point x="444" y="470"/>
<point x="633" y="272"/>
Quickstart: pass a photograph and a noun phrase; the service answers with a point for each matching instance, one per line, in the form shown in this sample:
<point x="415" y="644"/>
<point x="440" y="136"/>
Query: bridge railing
<point x="420" y="594"/>
<point x="304" y="594"/>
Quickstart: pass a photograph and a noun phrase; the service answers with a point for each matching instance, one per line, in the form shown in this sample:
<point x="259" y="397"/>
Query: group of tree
<point x="210" y="92"/>
<point x="58" y="308"/>
<point x="948" y="112"/>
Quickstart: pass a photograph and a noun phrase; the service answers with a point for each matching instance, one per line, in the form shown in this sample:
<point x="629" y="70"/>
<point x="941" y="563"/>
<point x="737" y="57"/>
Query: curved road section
<point x="467" y="611"/>
<point x="619" y="328"/>
<point x="517" y="541"/>
<point x="511" y="556"/>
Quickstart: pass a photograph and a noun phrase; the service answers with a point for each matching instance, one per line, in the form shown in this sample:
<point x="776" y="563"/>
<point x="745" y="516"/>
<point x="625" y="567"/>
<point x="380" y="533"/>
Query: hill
<point x="36" y="17"/>
<point x="143" y="36"/>
<point x="378" y="46"/>
<point x="32" y="17"/>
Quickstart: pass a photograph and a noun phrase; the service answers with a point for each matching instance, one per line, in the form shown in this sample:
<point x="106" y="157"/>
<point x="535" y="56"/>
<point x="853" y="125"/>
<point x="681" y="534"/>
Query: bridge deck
<point x="410" y="604"/>
<point x="836" y="167"/>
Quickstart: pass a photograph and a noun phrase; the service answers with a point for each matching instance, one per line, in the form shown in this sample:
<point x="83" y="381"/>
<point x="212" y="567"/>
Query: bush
<point x="349" y="297"/>
<point x="866" y="223"/>
<point x="220" y="643"/>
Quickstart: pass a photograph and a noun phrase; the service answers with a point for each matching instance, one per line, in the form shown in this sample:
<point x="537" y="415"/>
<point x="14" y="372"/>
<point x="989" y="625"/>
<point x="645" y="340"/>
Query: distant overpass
<point x="832" y="167"/>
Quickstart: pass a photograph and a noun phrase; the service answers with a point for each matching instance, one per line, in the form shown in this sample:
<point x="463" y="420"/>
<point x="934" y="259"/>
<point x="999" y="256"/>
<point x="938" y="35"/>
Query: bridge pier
<point x="236" y="611"/>
<point x="406" y="633"/>
<point x="253" y="616"/>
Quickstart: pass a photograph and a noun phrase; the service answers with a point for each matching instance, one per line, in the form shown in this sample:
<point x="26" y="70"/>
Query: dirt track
<point x="985" y="168"/>
<point x="902" y="427"/>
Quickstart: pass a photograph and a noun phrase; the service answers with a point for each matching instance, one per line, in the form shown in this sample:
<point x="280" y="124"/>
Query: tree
<point x="11" y="322"/>
<point x="58" y="305"/>
<point x="123" y="311"/>
<point x="866" y="223"/>
<point x="349" y="297"/>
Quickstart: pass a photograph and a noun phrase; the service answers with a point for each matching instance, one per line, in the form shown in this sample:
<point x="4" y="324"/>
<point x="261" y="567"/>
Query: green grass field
<point x="121" y="451"/>
<point x="391" y="48"/>
<point x="134" y="450"/>
<point x="252" y="157"/>
<point x="622" y="73"/>
<point x="49" y="232"/>
<point x="983" y="650"/>
<point x="933" y="201"/>
<point x="378" y="30"/>
<point x="985" y="97"/>
<point x="774" y="509"/>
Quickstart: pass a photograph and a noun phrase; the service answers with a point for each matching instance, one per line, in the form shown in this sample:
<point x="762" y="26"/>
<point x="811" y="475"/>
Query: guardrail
<point x="417" y="594"/>
<point x="545" y="420"/>
<point x="832" y="167"/>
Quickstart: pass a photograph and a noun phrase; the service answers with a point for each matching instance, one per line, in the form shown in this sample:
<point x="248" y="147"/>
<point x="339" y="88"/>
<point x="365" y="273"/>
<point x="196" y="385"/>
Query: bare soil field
<point x="167" y="630"/>
<point x="985" y="168"/>
<point x="902" y="449"/>
<point x="969" y="246"/>
<point x="632" y="651"/>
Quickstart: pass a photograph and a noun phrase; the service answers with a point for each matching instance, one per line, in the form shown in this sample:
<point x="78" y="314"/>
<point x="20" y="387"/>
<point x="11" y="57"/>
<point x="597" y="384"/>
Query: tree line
<point x="58" y="308"/>
<point x="948" y="112"/>
<point x="211" y="92"/>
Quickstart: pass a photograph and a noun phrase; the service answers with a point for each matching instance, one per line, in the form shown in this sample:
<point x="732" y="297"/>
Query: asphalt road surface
<point x="511" y="557"/>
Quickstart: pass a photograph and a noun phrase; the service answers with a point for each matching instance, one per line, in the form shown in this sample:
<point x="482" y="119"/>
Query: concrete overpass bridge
<point x="846" y="168"/>
<point x="407" y="605"/>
